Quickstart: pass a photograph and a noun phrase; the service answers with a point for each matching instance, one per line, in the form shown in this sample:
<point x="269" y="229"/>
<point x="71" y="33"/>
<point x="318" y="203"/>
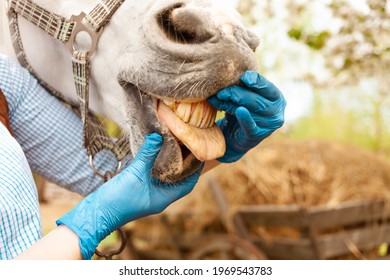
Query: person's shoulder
<point x="7" y="62"/>
<point x="9" y="71"/>
<point x="15" y="80"/>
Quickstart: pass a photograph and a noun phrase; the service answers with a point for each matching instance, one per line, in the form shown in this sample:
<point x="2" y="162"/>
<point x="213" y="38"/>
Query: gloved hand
<point x="253" y="112"/>
<point x="130" y="195"/>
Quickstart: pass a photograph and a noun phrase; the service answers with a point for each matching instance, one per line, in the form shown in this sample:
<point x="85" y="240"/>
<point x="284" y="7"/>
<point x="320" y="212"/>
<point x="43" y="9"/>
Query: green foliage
<point x="328" y="120"/>
<point x="383" y="250"/>
<point x="295" y="33"/>
<point x="111" y="239"/>
<point x="315" y="41"/>
<point x="220" y="115"/>
<point x="343" y="128"/>
<point x="112" y="129"/>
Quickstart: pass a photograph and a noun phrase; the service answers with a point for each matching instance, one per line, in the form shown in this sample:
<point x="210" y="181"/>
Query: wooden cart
<point x="320" y="232"/>
<point x="288" y="232"/>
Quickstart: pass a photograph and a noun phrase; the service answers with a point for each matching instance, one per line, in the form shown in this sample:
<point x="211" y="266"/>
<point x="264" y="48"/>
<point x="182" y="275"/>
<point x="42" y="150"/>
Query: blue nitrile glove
<point x="130" y="195"/>
<point x="253" y="112"/>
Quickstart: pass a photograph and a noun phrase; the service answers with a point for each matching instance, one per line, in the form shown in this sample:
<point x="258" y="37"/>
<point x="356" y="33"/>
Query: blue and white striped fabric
<point x="50" y="138"/>
<point x="20" y="225"/>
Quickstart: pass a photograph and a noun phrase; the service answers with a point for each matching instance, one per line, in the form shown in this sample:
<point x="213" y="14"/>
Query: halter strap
<point x="59" y="27"/>
<point x="55" y="25"/>
<point x="95" y="137"/>
<point x="102" y="12"/>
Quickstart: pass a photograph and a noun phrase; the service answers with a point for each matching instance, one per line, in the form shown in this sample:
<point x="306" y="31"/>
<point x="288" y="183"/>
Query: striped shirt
<point x="47" y="139"/>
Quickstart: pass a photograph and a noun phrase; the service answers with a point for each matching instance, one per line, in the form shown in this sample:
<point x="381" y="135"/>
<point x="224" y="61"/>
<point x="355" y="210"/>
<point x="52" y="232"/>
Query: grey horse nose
<point x="186" y="25"/>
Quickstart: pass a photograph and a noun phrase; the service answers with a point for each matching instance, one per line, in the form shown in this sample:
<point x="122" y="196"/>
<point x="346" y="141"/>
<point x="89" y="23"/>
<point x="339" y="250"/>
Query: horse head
<point x="153" y="55"/>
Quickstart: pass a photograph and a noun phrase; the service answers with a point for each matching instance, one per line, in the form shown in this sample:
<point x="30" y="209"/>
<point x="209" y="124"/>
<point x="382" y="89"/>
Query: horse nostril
<point x="185" y="25"/>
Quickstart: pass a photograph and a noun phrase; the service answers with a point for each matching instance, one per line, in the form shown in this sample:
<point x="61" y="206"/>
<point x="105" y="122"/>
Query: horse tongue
<point x="205" y="143"/>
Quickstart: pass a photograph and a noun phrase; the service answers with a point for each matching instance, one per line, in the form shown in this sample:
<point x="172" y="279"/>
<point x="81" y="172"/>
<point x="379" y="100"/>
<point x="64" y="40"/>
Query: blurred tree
<point x="359" y="49"/>
<point x="353" y="39"/>
<point x="245" y="8"/>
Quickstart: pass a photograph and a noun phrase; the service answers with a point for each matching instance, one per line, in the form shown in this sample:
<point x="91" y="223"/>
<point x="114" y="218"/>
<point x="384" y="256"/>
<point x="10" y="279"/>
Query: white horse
<point x="179" y="51"/>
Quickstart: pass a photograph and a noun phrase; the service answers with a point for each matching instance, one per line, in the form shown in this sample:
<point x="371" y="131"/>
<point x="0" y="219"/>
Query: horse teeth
<point x="199" y="114"/>
<point x="196" y="115"/>
<point x="183" y="110"/>
<point x="207" y="118"/>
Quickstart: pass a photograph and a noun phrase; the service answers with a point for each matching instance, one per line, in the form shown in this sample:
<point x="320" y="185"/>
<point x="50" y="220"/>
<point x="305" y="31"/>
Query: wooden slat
<point x="282" y="249"/>
<point x="348" y="213"/>
<point x="330" y="245"/>
<point x="364" y="214"/>
<point x="321" y="217"/>
<point x="333" y="245"/>
<point x="271" y="215"/>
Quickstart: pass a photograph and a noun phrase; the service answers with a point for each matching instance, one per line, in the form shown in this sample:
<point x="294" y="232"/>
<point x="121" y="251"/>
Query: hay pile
<point x="284" y="171"/>
<point x="279" y="171"/>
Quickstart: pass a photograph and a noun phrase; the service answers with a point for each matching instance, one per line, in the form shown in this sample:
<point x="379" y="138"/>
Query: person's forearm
<point x="60" y="244"/>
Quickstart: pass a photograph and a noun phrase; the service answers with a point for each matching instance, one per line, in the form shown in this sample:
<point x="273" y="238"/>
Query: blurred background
<point x="319" y="187"/>
<point x="331" y="59"/>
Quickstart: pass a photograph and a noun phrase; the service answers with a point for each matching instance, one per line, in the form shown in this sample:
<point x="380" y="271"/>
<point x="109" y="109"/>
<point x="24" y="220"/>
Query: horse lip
<point x="157" y="97"/>
<point x="155" y="100"/>
<point x="170" y="156"/>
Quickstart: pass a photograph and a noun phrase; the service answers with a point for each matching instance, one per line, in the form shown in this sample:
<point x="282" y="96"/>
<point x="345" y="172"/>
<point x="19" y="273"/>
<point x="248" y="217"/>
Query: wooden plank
<point x="270" y="215"/>
<point x="285" y="249"/>
<point x="333" y="245"/>
<point x="347" y="214"/>
<point x="330" y="245"/>
<point x="321" y="217"/>
<point x="359" y="213"/>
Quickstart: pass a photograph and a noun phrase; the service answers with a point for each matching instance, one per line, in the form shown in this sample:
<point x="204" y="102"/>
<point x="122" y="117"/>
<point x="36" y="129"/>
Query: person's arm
<point x="59" y="244"/>
<point x="130" y="195"/>
<point x="49" y="132"/>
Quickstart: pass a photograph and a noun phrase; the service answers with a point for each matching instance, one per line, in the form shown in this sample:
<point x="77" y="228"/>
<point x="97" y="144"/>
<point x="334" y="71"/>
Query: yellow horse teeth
<point x="199" y="114"/>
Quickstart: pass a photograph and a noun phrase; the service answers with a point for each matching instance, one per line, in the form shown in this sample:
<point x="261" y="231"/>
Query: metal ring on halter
<point x="108" y="175"/>
<point x="109" y="255"/>
<point x="81" y="27"/>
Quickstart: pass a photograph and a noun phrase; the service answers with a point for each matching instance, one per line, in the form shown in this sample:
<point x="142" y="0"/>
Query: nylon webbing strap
<point x="94" y="136"/>
<point x="53" y="24"/>
<point x="21" y="55"/>
<point x="99" y="16"/>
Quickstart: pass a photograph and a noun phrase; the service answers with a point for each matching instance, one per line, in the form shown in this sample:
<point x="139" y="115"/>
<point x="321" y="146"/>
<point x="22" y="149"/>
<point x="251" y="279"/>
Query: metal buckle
<point x="109" y="255"/>
<point x="108" y="174"/>
<point x="79" y="26"/>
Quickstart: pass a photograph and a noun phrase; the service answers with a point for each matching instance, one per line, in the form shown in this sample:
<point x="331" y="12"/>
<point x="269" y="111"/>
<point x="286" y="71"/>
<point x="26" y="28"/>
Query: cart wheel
<point x="225" y="247"/>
